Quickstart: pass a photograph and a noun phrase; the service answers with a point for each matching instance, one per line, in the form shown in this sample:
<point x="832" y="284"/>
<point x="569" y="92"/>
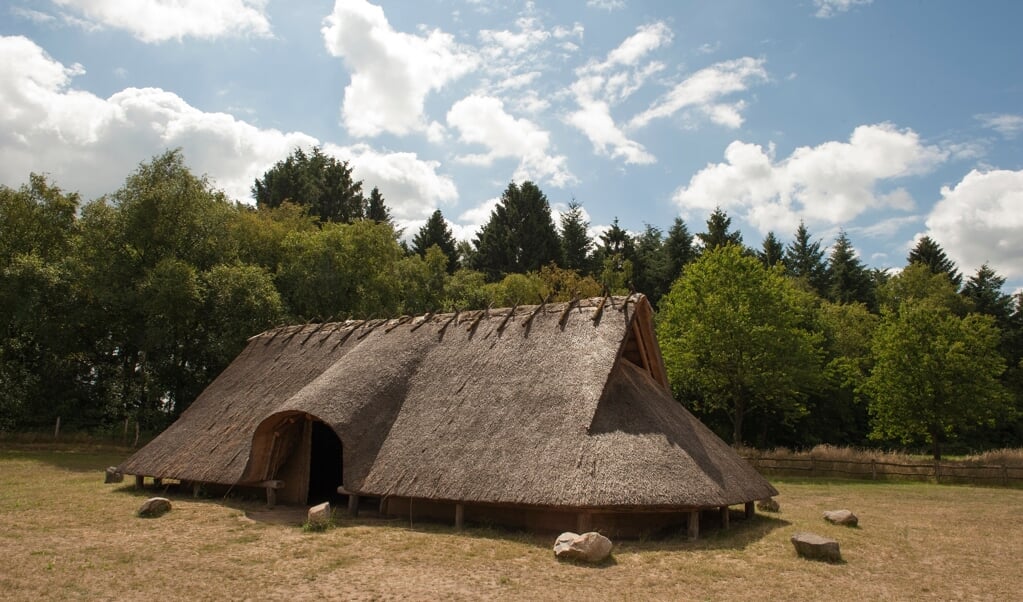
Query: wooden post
<point x="751" y="510"/>
<point x="195" y="489"/>
<point x="693" y="525"/>
<point x="937" y="472"/>
<point x="584" y="522"/>
<point x="157" y="481"/>
<point x="383" y="506"/>
<point x="724" y="517"/>
<point x="1005" y="474"/>
<point x="271" y="497"/>
<point x="873" y="469"/>
<point x="459" y="516"/>
<point x="353" y="504"/>
<point x="56" y="428"/>
<point x="140" y="481"/>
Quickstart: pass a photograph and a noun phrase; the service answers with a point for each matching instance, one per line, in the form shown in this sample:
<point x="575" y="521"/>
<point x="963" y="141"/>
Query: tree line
<point x="127" y="306"/>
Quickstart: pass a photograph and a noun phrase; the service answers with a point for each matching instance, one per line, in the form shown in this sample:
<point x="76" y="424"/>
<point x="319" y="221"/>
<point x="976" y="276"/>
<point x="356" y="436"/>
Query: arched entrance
<point x="325" y="469"/>
<point x="301" y="451"/>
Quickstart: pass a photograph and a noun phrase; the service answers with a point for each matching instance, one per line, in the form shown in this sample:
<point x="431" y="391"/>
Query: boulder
<point x="114" y="475"/>
<point x="588" y="547"/>
<point x="815" y="547"/>
<point x="841" y="517"/>
<point x="154" y="506"/>
<point x="768" y="505"/>
<point x="319" y="515"/>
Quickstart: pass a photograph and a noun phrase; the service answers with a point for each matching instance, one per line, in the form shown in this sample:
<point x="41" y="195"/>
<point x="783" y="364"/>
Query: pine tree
<point x="984" y="289"/>
<point x="717" y="234"/>
<point x="436" y="232"/>
<point x="575" y="240"/>
<point x="848" y="279"/>
<point x="376" y="209"/>
<point x="805" y="259"/>
<point x="930" y="253"/>
<point x="650" y="270"/>
<point x="772" y="251"/>
<point x="520" y="235"/>
<point x="679" y="248"/>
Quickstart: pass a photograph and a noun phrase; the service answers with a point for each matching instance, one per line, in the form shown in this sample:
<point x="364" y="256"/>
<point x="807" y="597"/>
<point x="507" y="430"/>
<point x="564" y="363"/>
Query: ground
<point x="65" y="534"/>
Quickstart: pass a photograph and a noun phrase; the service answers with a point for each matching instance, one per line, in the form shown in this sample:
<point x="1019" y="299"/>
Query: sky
<point x="888" y="119"/>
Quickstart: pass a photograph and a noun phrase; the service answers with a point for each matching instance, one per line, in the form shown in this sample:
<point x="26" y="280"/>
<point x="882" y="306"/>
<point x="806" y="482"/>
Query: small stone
<point x="588" y="547"/>
<point x="768" y="505"/>
<point x="841" y="517"/>
<point x="113" y="475"/>
<point x="815" y="547"/>
<point x="319" y="515"/>
<point x="154" y="506"/>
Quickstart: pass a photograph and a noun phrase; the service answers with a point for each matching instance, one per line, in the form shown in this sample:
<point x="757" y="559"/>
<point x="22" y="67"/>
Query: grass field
<point x="66" y="535"/>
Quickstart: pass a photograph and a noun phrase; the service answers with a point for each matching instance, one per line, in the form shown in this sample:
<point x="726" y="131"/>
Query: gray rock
<point x="768" y="505"/>
<point x="841" y="517"/>
<point x="319" y="515"/>
<point x="815" y="547"/>
<point x="154" y="506"/>
<point x="588" y="547"/>
<point x="113" y="475"/>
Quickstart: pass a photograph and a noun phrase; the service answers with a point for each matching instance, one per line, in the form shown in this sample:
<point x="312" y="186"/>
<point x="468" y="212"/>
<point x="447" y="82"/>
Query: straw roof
<point x="562" y="405"/>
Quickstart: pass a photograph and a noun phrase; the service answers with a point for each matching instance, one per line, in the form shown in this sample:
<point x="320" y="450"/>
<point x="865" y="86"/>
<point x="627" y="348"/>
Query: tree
<point x="717" y="234"/>
<point x="376" y="209"/>
<point x="576" y="244"/>
<point x="734" y="340"/>
<point x="651" y="267"/>
<point x="315" y="180"/>
<point x="804" y="259"/>
<point x="519" y="236"/>
<point x="984" y="290"/>
<point x="771" y="252"/>
<point x="616" y="255"/>
<point x="935" y="374"/>
<point x="929" y="253"/>
<point x="679" y="247"/>
<point x="436" y="232"/>
<point x="848" y="279"/>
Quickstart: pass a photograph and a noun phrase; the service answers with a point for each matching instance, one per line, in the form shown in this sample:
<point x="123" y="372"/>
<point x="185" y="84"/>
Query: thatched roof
<point x="562" y="405"/>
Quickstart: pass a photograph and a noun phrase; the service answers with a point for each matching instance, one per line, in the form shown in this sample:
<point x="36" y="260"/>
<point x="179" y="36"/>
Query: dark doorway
<point x="325" y="467"/>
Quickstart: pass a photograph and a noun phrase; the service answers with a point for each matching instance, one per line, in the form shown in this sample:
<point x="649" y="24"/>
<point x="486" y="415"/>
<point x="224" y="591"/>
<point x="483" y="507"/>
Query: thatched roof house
<point x="554" y="416"/>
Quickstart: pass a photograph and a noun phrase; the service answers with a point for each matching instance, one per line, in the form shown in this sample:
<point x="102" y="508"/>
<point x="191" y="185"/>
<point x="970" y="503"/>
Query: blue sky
<point x="889" y="119"/>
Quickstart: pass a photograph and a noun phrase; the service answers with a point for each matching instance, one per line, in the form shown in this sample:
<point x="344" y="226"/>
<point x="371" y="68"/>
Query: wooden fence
<point x="877" y="470"/>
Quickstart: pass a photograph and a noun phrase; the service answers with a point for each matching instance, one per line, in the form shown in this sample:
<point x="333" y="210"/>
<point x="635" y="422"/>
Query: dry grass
<point x="833" y="453"/>
<point x="64" y="534"/>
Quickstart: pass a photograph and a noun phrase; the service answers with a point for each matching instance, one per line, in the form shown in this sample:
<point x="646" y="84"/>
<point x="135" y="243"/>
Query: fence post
<point x="873" y="469"/>
<point x="56" y="429"/>
<point x="937" y="471"/>
<point x="1005" y="474"/>
<point x="813" y="466"/>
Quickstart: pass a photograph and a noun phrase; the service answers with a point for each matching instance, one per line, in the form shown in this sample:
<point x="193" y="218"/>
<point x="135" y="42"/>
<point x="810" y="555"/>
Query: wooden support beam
<point x="751" y="510"/>
<point x="157" y="481"/>
<point x="140" y="481"/>
<point x="724" y="517"/>
<point x="383" y="506"/>
<point x="271" y="497"/>
<point x="693" y="525"/>
<point x="459" y="516"/>
<point x="584" y="522"/>
<point x="507" y="316"/>
<point x="195" y="489"/>
<point x="419" y="324"/>
<point x="353" y="504"/>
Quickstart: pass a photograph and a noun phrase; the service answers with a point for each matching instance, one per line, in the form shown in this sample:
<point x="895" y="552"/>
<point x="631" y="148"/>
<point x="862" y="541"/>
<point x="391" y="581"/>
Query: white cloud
<point x="608" y="5"/>
<point x="503" y="42"/>
<point x="599" y="85"/>
<point x="154" y="21"/>
<point x="471" y="220"/>
<point x="1005" y="124"/>
<point x="830" y="8"/>
<point x="391" y="72"/>
<point x="828" y="184"/>
<point x="90" y="144"/>
<point x="411" y="187"/>
<point x="483" y="120"/>
<point x="703" y="90"/>
<point x="979" y="220"/>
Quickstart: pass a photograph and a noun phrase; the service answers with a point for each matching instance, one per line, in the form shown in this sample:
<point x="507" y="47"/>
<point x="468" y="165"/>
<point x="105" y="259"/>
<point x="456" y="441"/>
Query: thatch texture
<point x="560" y="406"/>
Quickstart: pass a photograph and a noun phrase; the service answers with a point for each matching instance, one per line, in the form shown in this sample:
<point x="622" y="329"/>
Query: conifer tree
<point x="575" y="240"/>
<point x="437" y="232"/>
<point x="928" y="252"/>
<point x="717" y="234"/>
<point x="848" y="279"/>
<point x="520" y="235"/>
<point x="771" y="252"/>
<point x="805" y="259"/>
